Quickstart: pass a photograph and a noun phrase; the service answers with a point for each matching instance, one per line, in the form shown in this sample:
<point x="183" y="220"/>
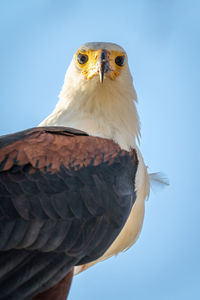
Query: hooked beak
<point x="103" y="65"/>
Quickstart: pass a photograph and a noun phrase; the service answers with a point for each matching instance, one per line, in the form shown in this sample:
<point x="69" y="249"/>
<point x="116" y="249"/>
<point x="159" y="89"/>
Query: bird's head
<point x="98" y="95"/>
<point x="101" y="67"/>
<point x="100" y="60"/>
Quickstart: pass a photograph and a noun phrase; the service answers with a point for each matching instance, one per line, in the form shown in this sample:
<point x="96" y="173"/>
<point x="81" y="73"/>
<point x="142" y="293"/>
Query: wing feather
<point x="64" y="198"/>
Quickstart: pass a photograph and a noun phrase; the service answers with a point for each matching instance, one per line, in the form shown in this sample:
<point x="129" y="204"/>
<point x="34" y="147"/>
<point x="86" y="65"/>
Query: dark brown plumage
<point x="64" y="198"/>
<point x="59" y="291"/>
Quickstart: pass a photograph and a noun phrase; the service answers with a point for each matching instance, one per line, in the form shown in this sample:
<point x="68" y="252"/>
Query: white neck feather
<point x="105" y="110"/>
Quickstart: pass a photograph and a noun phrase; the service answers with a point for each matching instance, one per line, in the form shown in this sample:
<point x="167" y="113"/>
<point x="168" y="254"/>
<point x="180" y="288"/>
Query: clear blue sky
<point x="38" y="39"/>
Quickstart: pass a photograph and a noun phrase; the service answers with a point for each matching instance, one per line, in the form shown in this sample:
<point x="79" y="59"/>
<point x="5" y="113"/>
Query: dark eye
<point x="120" y="60"/>
<point x="82" y="58"/>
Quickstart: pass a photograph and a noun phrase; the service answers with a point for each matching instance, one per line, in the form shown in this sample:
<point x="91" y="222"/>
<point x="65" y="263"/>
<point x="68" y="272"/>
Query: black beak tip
<point x="101" y="75"/>
<point x="104" y="65"/>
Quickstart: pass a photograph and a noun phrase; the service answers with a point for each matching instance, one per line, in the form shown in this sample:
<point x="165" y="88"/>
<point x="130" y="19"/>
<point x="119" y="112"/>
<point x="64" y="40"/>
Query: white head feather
<point x="102" y="109"/>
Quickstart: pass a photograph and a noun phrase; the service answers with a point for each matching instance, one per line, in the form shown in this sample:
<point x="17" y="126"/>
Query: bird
<point x="73" y="189"/>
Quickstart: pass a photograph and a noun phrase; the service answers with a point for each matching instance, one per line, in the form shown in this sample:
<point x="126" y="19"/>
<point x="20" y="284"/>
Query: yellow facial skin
<point x="91" y="67"/>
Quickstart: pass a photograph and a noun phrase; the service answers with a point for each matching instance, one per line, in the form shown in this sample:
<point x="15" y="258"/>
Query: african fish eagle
<point x="72" y="191"/>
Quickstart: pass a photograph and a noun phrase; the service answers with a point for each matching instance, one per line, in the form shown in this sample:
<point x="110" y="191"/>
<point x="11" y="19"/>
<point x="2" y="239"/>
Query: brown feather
<point x="59" y="291"/>
<point x="74" y="151"/>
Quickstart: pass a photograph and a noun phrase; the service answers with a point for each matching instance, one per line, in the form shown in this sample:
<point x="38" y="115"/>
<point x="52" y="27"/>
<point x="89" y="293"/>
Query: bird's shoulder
<point x="51" y="147"/>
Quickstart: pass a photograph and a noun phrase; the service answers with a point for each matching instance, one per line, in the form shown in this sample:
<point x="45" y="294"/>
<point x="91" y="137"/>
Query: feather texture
<point x="158" y="180"/>
<point x="64" y="198"/>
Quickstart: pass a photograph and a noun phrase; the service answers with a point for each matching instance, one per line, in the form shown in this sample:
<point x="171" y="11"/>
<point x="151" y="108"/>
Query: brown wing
<point x="64" y="198"/>
<point x="59" y="291"/>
